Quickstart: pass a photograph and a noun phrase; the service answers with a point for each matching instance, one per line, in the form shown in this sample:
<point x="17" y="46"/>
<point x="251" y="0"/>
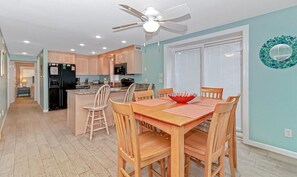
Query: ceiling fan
<point x="152" y="19"/>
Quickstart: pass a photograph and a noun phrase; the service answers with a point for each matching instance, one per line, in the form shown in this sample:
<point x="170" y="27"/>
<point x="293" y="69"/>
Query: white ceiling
<point x="64" y="24"/>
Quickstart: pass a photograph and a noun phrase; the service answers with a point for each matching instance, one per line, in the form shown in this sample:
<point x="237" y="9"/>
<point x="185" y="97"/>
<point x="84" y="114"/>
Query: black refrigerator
<point x="61" y="77"/>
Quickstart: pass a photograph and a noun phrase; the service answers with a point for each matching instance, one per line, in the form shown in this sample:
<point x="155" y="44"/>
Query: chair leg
<point x="149" y="169"/>
<point x="92" y="125"/>
<point x="221" y="164"/>
<point x="207" y="169"/>
<point x="121" y="165"/>
<point x="105" y="121"/>
<point x="234" y="151"/>
<point x="231" y="157"/>
<point x="188" y="166"/>
<point x="162" y="167"/>
<point x="169" y="167"/>
<point x="86" y="126"/>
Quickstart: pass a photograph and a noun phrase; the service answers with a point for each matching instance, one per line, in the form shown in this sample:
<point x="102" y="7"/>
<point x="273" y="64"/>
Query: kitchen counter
<point x="78" y="98"/>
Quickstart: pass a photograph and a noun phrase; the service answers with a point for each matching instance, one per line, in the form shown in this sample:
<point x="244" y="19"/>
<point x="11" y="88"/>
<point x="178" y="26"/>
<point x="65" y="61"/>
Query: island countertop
<point x="94" y="88"/>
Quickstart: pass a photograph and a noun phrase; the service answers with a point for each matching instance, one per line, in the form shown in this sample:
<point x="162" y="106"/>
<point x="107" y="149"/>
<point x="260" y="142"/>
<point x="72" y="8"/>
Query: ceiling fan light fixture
<point x="151" y="26"/>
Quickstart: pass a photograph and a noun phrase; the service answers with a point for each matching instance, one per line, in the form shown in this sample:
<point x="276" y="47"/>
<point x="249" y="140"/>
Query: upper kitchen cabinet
<point x="61" y="57"/>
<point x="82" y="65"/>
<point x="131" y="55"/>
<point x="104" y="65"/>
<point x="93" y="63"/>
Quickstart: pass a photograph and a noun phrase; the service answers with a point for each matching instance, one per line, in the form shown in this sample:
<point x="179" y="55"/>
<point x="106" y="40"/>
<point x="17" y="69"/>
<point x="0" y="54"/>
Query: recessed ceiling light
<point x="72" y="50"/>
<point x="82" y="44"/>
<point x="24" y="53"/>
<point x="104" y="48"/>
<point x="26" y="42"/>
<point x="229" y="54"/>
<point x="93" y="52"/>
<point x="124" y="42"/>
<point x="98" y="37"/>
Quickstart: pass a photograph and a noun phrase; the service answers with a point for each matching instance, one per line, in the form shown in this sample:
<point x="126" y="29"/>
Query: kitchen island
<point x="78" y="98"/>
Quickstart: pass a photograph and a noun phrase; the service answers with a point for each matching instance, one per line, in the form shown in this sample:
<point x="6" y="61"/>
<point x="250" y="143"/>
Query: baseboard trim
<point x="274" y="149"/>
<point x="2" y="124"/>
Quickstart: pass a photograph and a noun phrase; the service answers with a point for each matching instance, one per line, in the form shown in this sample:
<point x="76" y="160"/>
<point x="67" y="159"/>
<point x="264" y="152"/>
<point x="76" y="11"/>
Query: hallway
<point x="39" y="144"/>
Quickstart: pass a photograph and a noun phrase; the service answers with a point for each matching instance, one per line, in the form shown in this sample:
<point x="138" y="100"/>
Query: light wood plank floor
<point x="39" y="144"/>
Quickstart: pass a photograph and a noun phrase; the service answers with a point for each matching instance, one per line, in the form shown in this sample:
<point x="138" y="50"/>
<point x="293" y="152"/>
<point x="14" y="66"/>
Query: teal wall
<point x="272" y="92"/>
<point x="25" y="58"/>
<point x="43" y="67"/>
<point x="3" y="82"/>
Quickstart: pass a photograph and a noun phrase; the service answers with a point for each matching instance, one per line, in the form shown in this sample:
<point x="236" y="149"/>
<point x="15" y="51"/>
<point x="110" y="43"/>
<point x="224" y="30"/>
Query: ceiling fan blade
<point x="134" y="11"/>
<point x="127" y="25"/>
<point x="175" y="12"/>
<point x="174" y="26"/>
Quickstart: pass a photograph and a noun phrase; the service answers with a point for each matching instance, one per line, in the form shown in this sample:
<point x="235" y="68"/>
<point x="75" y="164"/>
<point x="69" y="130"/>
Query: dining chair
<point x="212" y="92"/>
<point x="164" y="92"/>
<point x="129" y="93"/>
<point x="231" y="150"/>
<point x="209" y="92"/>
<point x="145" y="95"/>
<point x="96" y="119"/>
<point x="138" y="150"/>
<point x="209" y="147"/>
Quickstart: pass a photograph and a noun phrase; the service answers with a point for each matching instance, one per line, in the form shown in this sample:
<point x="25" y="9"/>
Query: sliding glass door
<point x="187" y="71"/>
<point x="222" y="67"/>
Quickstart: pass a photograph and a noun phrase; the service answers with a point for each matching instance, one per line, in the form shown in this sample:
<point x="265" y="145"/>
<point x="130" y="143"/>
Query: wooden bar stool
<point x="129" y="93"/>
<point x="96" y="119"/>
<point x="137" y="150"/>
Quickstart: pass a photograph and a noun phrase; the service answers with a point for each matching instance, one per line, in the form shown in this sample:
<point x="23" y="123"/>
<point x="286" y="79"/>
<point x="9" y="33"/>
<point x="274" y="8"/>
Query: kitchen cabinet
<point x="61" y="57"/>
<point x="82" y="65"/>
<point x="131" y="55"/>
<point x="104" y="66"/>
<point x="93" y="67"/>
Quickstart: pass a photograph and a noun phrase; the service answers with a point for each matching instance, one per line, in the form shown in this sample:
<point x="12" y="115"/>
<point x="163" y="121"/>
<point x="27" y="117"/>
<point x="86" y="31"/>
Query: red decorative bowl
<point x="179" y="98"/>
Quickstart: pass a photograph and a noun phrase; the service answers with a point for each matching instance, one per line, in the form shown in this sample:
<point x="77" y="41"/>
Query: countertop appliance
<point x="61" y="77"/>
<point x="120" y="69"/>
<point x="127" y="82"/>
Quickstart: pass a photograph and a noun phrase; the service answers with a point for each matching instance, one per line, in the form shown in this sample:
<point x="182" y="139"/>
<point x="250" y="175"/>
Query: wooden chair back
<point x="211" y="92"/>
<point x="128" y="144"/>
<point x="217" y="132"/>
<point x="102" y="96"/>
<point x="144" y="95"/>
<point x="129" y="93"/>
<point x="232" y="121"/>
<point x="164" y="92"/>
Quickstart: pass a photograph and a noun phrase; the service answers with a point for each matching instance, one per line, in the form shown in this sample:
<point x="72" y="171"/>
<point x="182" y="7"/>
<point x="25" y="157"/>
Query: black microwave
<point x="120" y="69"/>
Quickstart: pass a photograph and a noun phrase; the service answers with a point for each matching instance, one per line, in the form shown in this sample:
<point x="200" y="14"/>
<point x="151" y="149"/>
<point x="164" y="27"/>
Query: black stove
<point x="127" y="82"/>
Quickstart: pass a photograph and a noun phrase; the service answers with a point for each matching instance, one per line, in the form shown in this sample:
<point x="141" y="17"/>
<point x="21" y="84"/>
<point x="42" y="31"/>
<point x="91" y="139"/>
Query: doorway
<point x="24" y="79"/>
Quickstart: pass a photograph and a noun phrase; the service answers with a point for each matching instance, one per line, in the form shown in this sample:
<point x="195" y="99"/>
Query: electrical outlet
<point x="288" y="133"/>
<point x="160" y="80"/>
<point x="145" y="80"/>
<point x="2" y="113"/>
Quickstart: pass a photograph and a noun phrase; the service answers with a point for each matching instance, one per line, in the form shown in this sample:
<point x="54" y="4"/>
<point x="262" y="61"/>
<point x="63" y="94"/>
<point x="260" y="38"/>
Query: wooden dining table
<point x="158" y="113"/>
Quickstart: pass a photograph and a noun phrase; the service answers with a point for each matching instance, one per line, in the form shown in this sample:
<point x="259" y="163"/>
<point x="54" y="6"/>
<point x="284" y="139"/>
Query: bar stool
<point x="96" y="119"/>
